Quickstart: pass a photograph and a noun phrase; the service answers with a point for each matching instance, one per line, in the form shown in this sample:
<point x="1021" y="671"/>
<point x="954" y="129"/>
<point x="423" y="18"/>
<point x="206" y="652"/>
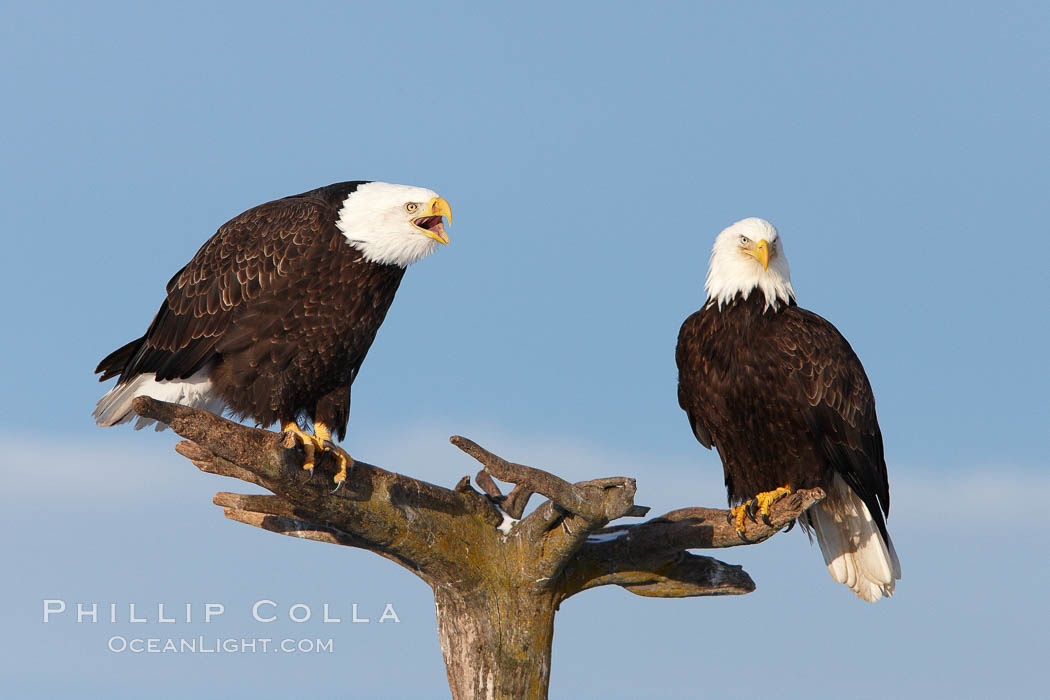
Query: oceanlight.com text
<point x="218" y="645"/>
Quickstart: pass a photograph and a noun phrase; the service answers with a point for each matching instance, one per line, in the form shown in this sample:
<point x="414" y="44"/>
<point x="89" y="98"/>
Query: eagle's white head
<point x="394" y="224"/>
<point x="749" y="255"/>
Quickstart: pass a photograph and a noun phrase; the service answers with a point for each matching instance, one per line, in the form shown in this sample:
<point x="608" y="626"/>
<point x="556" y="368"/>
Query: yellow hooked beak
<point x="761" y="253"/>
<point x="430" y="222"/>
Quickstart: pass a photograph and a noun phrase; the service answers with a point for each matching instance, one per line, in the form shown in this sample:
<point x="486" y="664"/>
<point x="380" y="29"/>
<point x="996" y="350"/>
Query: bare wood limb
<point x="597" y="500"/>
<point x="709" y="528"/>
<point x="610" y="555"/>
<point x="274" y="514"/>
<point x="488" y="486"/>
<point x="682" y="575"/>
<point x="213" y="464"/>
<point x="262" y="504"/>
<point x="563" y="493"/>
<point x="424" y="527"/>
<point x="561" y="525"/>
<point x="517" y="501"/>
<point x="289" y="526"/>
<point x="496" y="593"/>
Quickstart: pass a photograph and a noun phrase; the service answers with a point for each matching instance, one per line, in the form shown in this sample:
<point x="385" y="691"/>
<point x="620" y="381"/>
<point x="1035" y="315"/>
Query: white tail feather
<point x="852" y="545"/>
<point x="114" y="408"/>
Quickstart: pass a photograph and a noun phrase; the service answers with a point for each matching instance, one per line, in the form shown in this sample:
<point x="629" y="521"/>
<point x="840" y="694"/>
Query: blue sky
<point x="590" y="155"/>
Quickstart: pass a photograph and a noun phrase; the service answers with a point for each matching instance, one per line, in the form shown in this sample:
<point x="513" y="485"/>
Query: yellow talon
<point x="309" y="442"/>
<point x="768" y="498"/>
<point x="738" y="513"/>
<point x="321" y="440"/>
<point x="345" y="461"/>
<point x="762" y="502"/>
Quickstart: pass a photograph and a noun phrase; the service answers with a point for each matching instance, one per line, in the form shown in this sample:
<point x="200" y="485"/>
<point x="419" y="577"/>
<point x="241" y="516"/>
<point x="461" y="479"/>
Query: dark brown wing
<point x="838" y="406"/>
<point x="689" y="358"/>
<point x="250" y="253"/>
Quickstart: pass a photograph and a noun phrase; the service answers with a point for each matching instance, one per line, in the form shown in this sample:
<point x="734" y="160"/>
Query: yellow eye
<point x="744" y="240"/>
<point x="411" y="207"/>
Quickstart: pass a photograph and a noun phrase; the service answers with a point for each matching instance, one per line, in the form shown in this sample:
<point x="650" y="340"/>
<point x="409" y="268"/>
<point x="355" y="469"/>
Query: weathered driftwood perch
<point x="497" y="581"/>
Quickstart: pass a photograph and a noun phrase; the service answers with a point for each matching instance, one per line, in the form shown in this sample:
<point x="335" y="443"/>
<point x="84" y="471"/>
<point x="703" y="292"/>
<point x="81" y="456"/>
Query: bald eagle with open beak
<point x="274" y="315"/>
<point x="783" y="398"/>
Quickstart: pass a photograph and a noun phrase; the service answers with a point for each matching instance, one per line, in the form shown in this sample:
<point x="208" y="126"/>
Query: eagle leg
<point x="736" y="518"/>
<point x="308" y="441"/>
<point x="323" y="438"/>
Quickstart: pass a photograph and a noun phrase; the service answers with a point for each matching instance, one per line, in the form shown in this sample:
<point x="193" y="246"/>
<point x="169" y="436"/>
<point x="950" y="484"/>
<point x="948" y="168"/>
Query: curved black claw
<point x="749" y="510"/>
<point x="301" y="447"/>
<point x="346" y="463"/>
<point x="790" y="526"/>
<point x="729" y="517"/>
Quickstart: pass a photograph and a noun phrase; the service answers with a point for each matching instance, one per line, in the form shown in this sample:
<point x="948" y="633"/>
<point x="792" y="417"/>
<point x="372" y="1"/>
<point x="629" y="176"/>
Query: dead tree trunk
<point x="498" y="578"/>
<point x="496" y="641"/>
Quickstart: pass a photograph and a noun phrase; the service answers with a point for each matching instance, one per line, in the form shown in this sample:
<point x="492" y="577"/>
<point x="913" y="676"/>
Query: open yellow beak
<point x="437" y="207"/>
<point x="761" y="254"/>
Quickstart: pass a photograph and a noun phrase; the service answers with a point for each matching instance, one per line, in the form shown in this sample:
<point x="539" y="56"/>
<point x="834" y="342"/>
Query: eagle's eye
<point x="744" y="240"/>
<point x="411" y="207"/>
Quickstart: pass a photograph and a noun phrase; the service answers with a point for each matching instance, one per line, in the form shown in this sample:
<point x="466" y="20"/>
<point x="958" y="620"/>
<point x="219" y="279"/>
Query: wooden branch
<point x="204" y="460"/>
<point x="710" y="528"/>
<point x="566" y="530"/>
<point x="623" y="553"/>
<point x="289" y="526"/>
<point x="682" y="575"/>
<point x="596" y="501"/>
<point x="426" y="528"/>
<point x="516" y="502"/>
<point x="496" y="588"/>
<point x="274" y="514"/>
<point x="561" y="525"/>
<point x="569" y="497"/>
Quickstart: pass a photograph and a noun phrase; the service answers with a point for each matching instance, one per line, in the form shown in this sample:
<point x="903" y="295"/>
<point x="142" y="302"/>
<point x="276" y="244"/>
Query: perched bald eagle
<point x="273" y="316"/>
<point x="784" y="399"/>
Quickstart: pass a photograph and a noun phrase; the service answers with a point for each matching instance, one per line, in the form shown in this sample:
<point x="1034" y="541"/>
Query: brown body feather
<point x="784" y="399"/>
<point x="277" y="307"/>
